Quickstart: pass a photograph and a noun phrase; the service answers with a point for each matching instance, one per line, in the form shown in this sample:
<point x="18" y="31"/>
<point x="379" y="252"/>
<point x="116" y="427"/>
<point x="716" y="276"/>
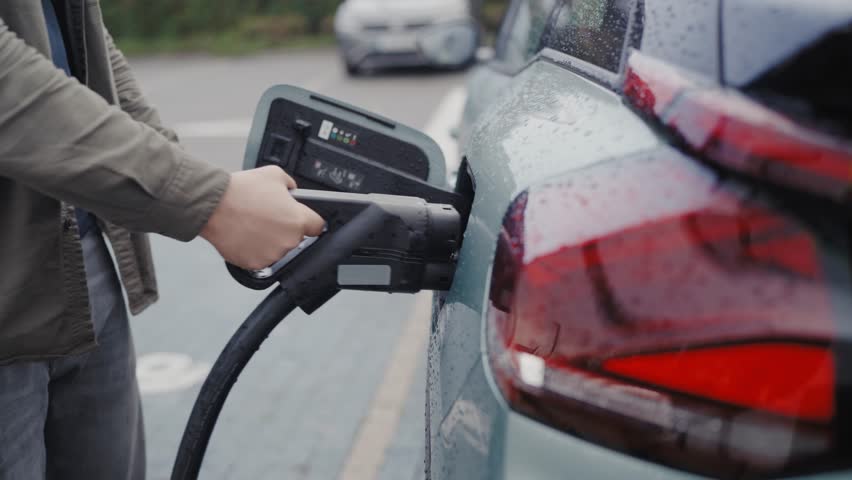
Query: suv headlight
<point x="450" y="44"/>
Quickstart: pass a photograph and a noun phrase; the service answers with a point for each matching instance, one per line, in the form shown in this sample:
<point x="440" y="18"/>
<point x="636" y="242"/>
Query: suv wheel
<point x="352" y="69"/>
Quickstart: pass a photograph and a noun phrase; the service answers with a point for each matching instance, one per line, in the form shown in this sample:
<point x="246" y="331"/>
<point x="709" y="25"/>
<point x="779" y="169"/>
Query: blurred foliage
<point x="244" y="24"/>
<point x="176" y="18"/>
<point x="492" y="14"/>
<point x="273" y="27"/>
<point x="315" y="11"/>
<point x="228" y="43"/>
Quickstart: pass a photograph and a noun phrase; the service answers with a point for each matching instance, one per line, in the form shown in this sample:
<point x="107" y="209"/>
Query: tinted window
<point x="522" y="30"/>
<point x="592" y="30"/>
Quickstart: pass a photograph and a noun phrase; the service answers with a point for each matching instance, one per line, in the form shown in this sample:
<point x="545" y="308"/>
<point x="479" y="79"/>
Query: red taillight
<point x="736" y="132"/>
<point x="789" y="379"/>
<point x="699" y="339"/>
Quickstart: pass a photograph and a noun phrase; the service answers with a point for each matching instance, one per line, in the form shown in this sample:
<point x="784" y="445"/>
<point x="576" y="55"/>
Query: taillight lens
<point x="728" y="128"/>
<point x="705" y="340"/>
<point x="786" y="378"/>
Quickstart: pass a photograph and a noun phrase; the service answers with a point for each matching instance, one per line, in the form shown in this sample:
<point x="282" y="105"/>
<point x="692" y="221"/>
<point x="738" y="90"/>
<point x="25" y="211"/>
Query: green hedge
<point x="178" y="18"/>
<point x="142" y="19"/>
<point x="492" y="15"/>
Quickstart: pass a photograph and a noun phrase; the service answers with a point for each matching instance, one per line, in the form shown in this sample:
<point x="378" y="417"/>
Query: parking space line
<point x="443" y="121"/>
<point x="379" y="425"/>
<point x="232" y="128"/>
<point x="229" y="128"/>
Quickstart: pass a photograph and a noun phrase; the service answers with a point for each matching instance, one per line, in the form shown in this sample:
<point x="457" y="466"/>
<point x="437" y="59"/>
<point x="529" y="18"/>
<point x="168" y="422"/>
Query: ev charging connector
<point x="395" y="244"/>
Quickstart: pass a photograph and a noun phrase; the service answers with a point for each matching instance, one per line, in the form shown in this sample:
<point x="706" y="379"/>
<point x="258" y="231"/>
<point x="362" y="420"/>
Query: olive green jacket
<point x="92" y="142"/>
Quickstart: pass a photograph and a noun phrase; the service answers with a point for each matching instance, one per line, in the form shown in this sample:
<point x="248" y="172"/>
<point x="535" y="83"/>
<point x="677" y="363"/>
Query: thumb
<point x="291" y="183"/>
<point x="277" y="174"/>
<point x="314" y="224"/>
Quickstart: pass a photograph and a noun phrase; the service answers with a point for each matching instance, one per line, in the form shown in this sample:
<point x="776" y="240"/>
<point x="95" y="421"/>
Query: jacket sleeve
<point x="130" y="96"/>
<point x="62" y="139"/>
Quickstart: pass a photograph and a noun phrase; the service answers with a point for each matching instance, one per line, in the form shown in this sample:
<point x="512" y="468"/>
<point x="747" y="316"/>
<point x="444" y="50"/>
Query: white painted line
<point x="440" y="127"/>
<point x="167" y="372"/>
<point x="379" y="426"/>
<point x="231" y="128"/>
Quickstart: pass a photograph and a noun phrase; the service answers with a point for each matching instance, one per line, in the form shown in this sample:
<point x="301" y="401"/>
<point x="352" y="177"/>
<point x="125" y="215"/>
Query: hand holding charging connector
<point x="401" y="244"/>
<point x="272" y="270"/>
<point x="258" y="221"/>
<point x="373" y="242"/>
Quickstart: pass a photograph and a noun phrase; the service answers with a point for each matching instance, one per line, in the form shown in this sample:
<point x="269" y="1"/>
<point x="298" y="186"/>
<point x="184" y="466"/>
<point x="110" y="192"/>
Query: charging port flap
<point x="393" y="223"/>
<point x="329" y="145"/>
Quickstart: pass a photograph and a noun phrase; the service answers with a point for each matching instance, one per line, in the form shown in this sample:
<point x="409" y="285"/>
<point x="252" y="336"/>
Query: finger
<point x="291" y="183"/>
<point x="279" y="174"/>
<point x="249" y="263"/>
<point x="313" y="223"/>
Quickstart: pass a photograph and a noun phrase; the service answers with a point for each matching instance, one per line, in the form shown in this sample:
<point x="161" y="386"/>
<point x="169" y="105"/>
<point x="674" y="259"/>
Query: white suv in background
<point x="375" y="34"/>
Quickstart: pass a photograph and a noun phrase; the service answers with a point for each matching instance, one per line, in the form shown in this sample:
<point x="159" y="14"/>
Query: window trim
<point x="611" y="80"/>
<point x="499" y="64"/>
<point x="503" y="33"/>
<point x="607" y="78"/>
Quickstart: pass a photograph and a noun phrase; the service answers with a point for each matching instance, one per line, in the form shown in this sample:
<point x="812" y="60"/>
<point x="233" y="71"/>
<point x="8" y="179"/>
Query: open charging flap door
<point x="345" y="161"/>
<point x="326" y="144"/>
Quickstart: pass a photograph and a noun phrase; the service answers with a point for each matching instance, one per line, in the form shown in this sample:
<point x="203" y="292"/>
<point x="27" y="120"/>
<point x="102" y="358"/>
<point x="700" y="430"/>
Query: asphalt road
<point x="335" y="395"/>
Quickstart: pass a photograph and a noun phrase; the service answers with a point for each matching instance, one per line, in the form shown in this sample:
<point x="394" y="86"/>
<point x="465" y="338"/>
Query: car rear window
<point x="592" y="30"/>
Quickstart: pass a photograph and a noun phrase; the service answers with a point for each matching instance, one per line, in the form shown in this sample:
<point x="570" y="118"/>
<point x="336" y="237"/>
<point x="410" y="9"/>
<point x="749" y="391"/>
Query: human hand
<point x="257" y="221"/>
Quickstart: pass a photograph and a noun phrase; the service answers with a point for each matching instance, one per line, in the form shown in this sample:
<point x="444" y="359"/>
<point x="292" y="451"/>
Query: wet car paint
<point x="540" y="124"/>
<point x="668" y="284"/>
<point x="533" y="133"/>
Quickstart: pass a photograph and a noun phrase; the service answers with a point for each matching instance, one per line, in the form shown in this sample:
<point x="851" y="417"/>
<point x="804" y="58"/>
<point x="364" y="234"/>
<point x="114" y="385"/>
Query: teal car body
<point x="544" y="115"/>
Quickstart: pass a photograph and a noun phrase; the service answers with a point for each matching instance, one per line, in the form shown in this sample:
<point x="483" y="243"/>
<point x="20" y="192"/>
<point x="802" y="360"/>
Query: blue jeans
<point x="78" y="417"/>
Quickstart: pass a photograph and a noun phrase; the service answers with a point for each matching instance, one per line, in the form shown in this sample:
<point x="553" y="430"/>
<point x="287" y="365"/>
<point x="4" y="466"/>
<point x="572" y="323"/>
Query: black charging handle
<point x="372" y="242"/>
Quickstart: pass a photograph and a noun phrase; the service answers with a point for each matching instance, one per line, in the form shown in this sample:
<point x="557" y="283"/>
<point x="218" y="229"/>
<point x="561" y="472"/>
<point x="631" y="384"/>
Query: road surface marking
<point x="444" y="120"/>
<point x="379" y="425"/>
<point x="446" y="117"/>
<point x="168" y="372"/>
<point x="232" y="128"/>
